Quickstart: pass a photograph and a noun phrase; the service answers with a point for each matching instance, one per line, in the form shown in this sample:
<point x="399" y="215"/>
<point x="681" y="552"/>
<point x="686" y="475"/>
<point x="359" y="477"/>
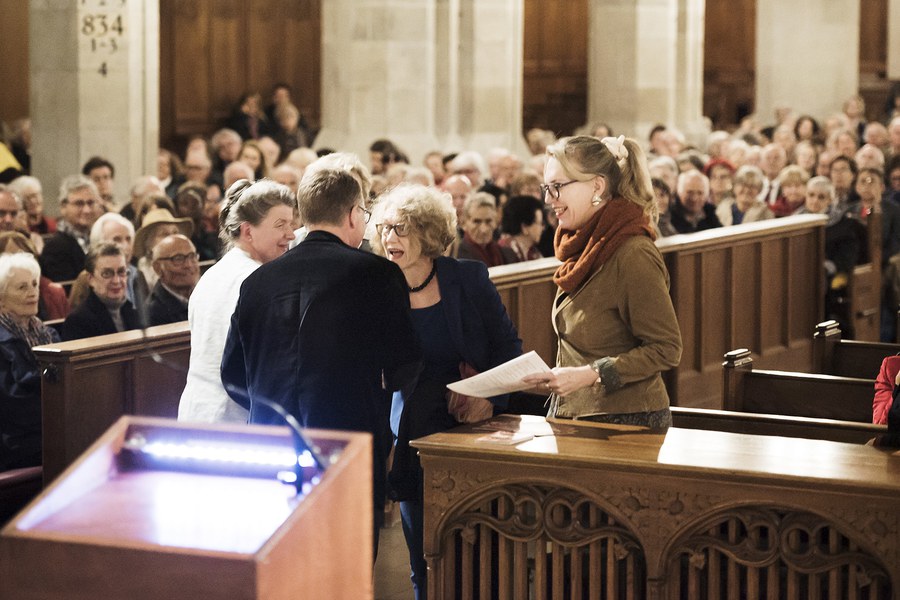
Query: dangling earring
<point x="597" y="200"/>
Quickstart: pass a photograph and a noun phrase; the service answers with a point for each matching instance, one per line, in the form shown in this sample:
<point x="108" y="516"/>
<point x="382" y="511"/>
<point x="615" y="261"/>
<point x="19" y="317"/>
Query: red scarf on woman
<point x="585" y="249"/>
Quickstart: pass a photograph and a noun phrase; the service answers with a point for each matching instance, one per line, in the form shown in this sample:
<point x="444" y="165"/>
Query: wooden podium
<point x="114" y="527"/>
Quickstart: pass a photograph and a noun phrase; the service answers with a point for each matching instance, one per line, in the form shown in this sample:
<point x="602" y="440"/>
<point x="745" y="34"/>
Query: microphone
<point x="308" y="453"/>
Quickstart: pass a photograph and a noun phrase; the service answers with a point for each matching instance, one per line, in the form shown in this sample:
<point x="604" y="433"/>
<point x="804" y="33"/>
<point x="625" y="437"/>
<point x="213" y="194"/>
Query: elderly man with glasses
<point x="107" y="308"/>
<point x="175" y="261"/>
<point x="79" y="206"/>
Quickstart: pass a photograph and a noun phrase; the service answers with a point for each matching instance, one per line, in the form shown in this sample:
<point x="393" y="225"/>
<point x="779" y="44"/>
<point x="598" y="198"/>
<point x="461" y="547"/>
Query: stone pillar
<point x="893" y="34"/>
<point x="645" y="65"/>
<point x="688" y="98"/>
<point x="810" y="42"/>
<point x="94" y="88"/>
<point x="378" y="75"/>
<point x="490" y="65"/>
<point x="428" y="75"/>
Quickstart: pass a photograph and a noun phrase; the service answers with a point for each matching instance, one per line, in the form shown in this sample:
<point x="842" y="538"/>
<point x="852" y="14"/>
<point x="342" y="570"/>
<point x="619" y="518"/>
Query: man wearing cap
<point x="157" y="224"/>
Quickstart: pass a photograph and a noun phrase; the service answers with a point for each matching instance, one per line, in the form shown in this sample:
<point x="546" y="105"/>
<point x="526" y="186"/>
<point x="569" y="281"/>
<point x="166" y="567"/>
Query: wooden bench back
<point x="847" y="358"/>
<point x="794" y="394"/>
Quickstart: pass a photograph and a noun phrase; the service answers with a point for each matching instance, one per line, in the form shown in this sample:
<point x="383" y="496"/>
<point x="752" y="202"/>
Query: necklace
<point x="419" y="288"/>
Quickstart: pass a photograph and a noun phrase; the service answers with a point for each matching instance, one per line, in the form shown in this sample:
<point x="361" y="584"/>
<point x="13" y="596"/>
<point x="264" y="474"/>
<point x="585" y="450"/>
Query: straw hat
<point x="158" y="216"/>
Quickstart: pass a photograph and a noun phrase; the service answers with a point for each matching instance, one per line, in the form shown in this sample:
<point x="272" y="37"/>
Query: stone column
<point x="893" y="34"/>
<point x="488" y="103"/>
<point x="94" y="88"/>
<point x="378" y="75"/>
<point x="428" y="75"/>
<point x="645" y="65"/>
<point x="807" y="56"/>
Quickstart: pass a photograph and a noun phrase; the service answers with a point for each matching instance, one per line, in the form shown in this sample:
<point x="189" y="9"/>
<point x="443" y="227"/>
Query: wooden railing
<point x="745" y="389"/>
<point x="88" y="384"/>
<point x="606" y="511"/>
<point x="757" y="282"/>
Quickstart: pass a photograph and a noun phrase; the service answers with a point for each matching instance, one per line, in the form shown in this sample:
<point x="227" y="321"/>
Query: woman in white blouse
<point x="256" y="222"/>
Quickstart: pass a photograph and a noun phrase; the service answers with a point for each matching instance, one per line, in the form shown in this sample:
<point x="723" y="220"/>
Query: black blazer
<point x="163" y="307"/>
<point x="317" y="331"/>
<point x="92" y="318"/>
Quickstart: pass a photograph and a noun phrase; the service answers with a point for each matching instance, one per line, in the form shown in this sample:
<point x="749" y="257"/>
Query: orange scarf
<point x="585" y="249"/>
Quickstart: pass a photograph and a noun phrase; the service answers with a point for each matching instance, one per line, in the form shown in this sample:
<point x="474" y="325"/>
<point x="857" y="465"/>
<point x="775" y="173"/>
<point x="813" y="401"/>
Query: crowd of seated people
<point x="167" y="229"/>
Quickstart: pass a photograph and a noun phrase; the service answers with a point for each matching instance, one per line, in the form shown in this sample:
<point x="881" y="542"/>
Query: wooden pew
<point x="847" y="358"/>
<point x="850" y="432"/>
<point x="120" y="377"/>
<point x="810" y="395"/>
<point x="88" y="384"/>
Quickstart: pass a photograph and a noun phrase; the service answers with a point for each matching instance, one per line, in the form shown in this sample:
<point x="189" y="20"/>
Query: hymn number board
<point x="101" y="33"/>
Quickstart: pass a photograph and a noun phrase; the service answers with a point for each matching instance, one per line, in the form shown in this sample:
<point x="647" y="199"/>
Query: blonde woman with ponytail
<point x="613" y="314"/>
<point x="256" y="227"/>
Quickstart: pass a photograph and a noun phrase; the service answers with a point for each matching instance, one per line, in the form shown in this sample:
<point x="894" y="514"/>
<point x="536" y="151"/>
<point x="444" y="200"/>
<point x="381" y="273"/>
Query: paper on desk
<point x="502" y="379"/>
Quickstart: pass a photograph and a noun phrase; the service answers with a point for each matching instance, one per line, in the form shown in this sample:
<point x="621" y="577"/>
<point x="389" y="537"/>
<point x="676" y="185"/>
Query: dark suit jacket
<point x="482" y="334"/>
<point x="163" y="307"/>
<point x="92" y="318"/>
<point x="682" y="225"/>
<point x="62" y="258"/>
<point x="317" y="331"/>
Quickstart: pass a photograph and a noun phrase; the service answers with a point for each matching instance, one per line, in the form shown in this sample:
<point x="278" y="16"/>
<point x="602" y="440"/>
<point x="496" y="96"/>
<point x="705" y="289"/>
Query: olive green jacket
<point x="622" y="319"/>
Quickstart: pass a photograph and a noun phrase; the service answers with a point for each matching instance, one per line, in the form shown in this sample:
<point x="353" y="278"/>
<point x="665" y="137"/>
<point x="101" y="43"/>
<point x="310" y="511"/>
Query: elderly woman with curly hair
<point x="463" y="328"/>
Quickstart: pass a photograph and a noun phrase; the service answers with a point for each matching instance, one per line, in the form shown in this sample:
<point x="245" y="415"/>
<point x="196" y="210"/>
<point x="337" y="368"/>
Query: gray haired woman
<point x="746" y="205"/>
<point x="256" y="226"/>
<point x="20" y="375"/>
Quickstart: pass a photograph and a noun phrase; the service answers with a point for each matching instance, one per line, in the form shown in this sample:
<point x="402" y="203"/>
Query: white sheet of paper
<point x="502" y="379"/>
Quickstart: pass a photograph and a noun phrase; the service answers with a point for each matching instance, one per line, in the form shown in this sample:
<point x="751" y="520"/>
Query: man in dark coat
<point x="175" y="261"/>
<point x="325" y="330"/>
<point x="63" y="256"/>
<point x="692" y="210"/>
<point x="107" y="309"/>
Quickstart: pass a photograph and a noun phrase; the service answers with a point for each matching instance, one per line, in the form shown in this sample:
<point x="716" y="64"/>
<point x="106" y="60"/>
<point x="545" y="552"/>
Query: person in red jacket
<point x="884" y="389"/>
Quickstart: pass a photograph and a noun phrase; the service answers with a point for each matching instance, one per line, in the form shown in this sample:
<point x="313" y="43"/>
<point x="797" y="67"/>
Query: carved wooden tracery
<point x="538" y="540"/>
<point x="519" y="540"/>
<point x="772" y="553"/>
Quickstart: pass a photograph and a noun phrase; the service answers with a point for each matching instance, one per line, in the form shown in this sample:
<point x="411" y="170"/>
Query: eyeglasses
<point x="80" y="204"/>
<point x="367" y="214"/>
<point x="553" y="189"/>
<point x="385" y="229"/>
<point x="180" y="259"/>
<point x="110" y="273"/>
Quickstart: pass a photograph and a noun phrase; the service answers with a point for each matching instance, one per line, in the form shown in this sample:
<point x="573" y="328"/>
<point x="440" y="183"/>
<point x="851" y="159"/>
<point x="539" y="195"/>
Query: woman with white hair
<point x="20" y="374"/>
